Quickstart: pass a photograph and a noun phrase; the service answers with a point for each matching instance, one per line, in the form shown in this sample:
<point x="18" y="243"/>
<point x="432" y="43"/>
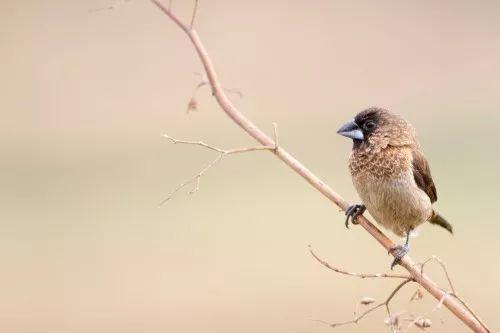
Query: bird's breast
<point x="385" y="184"/>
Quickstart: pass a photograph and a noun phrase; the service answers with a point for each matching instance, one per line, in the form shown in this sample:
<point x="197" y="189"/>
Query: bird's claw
<point x="352" y="212"/>
<point x="399" y="252"/>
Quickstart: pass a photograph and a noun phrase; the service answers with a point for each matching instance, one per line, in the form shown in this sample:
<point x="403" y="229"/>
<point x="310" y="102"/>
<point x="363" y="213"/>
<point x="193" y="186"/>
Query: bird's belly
<point x="397" y="203"/>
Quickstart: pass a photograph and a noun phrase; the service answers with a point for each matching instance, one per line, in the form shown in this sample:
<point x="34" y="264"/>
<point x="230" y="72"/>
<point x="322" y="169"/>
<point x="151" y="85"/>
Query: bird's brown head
<point x="374" y="129"/>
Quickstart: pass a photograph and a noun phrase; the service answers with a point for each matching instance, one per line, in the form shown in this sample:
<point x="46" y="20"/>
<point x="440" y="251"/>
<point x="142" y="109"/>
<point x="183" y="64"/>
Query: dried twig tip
<point x="423" y="323"/>
<point x="192" y="105"/>
<point x="195" y="9"/>
<point x="366" y="301"/>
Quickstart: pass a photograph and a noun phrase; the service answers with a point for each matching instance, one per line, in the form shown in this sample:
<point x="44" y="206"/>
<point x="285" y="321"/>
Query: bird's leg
<point x="400" y="251"/>
<point x="352" y="212"/>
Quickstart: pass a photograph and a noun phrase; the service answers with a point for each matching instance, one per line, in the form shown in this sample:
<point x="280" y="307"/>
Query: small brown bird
<point x="390" y="174"/>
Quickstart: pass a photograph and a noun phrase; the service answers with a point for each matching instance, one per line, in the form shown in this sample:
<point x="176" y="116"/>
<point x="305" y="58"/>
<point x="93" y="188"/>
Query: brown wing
<point x="422" y="175"/>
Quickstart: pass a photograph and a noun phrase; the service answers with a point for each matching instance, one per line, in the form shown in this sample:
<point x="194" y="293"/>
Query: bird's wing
<point x="422" y="175"/>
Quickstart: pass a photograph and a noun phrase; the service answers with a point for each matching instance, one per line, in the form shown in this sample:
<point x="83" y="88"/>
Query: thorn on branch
<point x="443" y="266"/>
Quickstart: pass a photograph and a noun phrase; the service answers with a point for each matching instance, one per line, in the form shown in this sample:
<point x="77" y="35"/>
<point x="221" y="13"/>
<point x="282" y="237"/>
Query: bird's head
<point x="377" y="128"/>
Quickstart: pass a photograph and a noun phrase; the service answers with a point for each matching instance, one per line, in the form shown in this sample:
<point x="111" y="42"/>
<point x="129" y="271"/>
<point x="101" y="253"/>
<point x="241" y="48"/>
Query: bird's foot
<point x="399" y="252"/>
<point x="352" y="212"/>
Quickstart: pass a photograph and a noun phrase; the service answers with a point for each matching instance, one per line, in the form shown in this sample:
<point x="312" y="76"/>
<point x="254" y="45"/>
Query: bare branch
<point x="443" y="266"/>
<point x="360" y="275"/>
<point x="169" y="13"/>
<point x="276" y="141"/>
<point x="196" y="143"/>
<point x="422" y="320"/>
<point x="454" y="305"/>
<point x="453" y="291"/>
<point x="195" y="9"/>
<point x="394" y="321"/>
<point x="196" y="178"/>
<point x="221" y="153"/>
<point x="417" y="295"/>
<point x="373" y="308"/>
<point x="219" y="150"/>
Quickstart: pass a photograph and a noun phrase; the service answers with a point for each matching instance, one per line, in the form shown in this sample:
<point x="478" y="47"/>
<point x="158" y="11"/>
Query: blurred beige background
<point x="85" y="95"/>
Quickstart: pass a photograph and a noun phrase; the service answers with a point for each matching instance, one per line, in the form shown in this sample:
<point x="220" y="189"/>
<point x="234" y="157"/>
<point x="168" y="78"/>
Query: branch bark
<point x="227" y="106"/>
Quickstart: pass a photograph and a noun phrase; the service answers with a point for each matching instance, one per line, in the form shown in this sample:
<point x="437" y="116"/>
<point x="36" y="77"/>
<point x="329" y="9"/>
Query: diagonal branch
<point x="453" y="291"/>
<point x="228" y="107"/>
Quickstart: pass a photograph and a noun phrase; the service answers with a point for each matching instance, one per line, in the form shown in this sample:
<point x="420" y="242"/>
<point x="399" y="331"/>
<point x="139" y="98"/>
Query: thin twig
<point x="470" y="310"/>
<point x="195" y="143"/>
<point x="373" y="308"/>
<point x="443" y="266"/>
<point x="276" y="140"/>
<point x="195" y="9"/>
<point x="221" y="153"/>
<point x="453" y="291"/>
<point x="196" y="178"/>
<point x="219" y="150"/>
<point x="434" y="309"/>
<point x="360" y="275"/>
<point x="234" y="91"/>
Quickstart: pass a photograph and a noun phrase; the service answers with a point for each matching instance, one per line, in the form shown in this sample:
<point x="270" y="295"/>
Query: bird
<point x="391" y="175"/>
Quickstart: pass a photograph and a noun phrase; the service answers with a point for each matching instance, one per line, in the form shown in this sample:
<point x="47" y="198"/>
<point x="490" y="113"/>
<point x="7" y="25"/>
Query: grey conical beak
<point x="351" y="130"/>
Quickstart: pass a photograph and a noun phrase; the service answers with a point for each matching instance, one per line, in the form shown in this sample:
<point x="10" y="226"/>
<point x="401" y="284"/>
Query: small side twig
<point x="423" y="317"/>
<point x="221" y="153"/>
<point x="443" y="266"/>
<point x="373" y="308"/>
<point x="276" y="142"/>
<point x="359" y="275"/>
<point x="193" y="102"/>
<point x="366" y="301"/>
<point x="453" y="291"/>
<point x="195" y="9"/>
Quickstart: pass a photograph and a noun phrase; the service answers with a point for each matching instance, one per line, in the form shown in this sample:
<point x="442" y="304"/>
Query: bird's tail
<point x="440" y="221"/>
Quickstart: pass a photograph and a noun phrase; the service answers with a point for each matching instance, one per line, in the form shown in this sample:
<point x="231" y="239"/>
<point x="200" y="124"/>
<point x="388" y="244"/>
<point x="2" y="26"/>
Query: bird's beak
<point x="351" y="130"/>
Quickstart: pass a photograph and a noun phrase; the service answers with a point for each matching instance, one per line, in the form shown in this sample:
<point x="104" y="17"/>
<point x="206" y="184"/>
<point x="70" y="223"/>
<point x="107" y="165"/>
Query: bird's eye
<point x="369" y="125"/>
